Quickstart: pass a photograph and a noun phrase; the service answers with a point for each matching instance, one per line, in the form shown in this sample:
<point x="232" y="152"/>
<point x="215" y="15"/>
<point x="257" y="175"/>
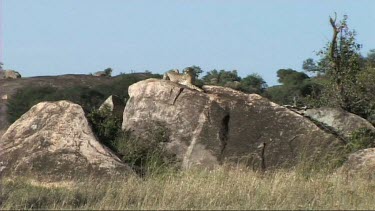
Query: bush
<point x="105" y="125"/>
<point x="146" y="155"/>
<point x="108" y="72"/>
<point x="362" y="138"/>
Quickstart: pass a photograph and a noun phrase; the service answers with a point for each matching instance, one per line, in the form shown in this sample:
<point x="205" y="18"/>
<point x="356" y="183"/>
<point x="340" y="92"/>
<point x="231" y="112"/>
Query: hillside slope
<point x="9" y="87"/>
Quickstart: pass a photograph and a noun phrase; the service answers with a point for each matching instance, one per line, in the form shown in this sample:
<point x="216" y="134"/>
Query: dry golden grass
<point x="197" y="189"/>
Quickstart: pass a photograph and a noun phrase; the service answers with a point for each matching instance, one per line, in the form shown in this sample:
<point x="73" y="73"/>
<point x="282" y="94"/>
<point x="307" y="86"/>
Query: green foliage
<point x="366" y="83"/>
<point x="295" y="89"/>
<point x="344" y="78"/>
<point x="108" y="71"/>
<point x="309" y="65"/>
<point x="319" y="68"/>
<point x="253" y="83"/>
<point x="362" y="138"/>
<point x="197" y="70"/>
<point x="291" y="77"/>
<point x="105" y="125"/>
<point x="370" y="59"/>
<point x="276" y="94"/>
<point x="221" y="77"/>
<point x="340" y="63"/>
<point x="199" y="83"/>
<point x="146" y="155"/>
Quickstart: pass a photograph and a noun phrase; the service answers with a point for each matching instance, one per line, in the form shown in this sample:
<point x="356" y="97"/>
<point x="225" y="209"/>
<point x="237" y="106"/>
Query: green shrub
<point x="361" y="139"/>
<point x="146" y="155"/>
<point x="105" y="125"/>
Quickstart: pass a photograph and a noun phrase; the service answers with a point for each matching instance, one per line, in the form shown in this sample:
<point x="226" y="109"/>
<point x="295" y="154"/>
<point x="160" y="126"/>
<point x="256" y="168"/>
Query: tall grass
<point x="196" y="189"/>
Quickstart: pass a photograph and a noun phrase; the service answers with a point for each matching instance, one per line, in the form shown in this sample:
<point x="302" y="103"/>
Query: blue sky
<point x="53" y="37"/>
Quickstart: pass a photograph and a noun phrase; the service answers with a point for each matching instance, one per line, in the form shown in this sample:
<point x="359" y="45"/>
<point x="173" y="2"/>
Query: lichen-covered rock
<point x="224" y="125"/>
<point x="342" y="122"/>
<point x="52" y="141"/>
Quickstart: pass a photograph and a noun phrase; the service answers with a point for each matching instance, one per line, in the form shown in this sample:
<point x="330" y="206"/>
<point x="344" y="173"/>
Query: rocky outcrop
<point x="52" y="141"/>
<point x="224" y="125"/>
<point x="362" y="162"/>
<point x="115" y="104"/>
<point x="102" y="74"/>
<point x="9" y="74"/>
<point x="340" y="121"/>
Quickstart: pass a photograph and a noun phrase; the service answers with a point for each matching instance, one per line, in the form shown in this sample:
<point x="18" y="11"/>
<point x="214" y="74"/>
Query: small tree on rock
<point x="108" y="72"/>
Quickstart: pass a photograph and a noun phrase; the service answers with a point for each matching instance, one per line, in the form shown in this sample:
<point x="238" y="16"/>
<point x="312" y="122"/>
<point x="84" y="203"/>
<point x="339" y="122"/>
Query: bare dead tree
<point x="335" y="57"/>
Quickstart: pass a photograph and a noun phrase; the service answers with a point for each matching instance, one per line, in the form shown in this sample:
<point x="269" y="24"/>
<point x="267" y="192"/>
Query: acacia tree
<point x="253" y="83"/>
<point x="221" y="77"/>
<point x="108" y="71"/>
<point x="295" y="87"/>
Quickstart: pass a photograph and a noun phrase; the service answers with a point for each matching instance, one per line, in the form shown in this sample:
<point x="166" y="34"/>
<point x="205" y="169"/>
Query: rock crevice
<point x="223" y="135"/>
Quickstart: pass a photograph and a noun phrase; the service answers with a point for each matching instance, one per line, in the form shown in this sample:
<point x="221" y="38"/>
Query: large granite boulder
<point x="224" y="125"/>
<point x="340" y="121"/>
<point x="54" y="141"/>
<point x="9" y="74"/>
